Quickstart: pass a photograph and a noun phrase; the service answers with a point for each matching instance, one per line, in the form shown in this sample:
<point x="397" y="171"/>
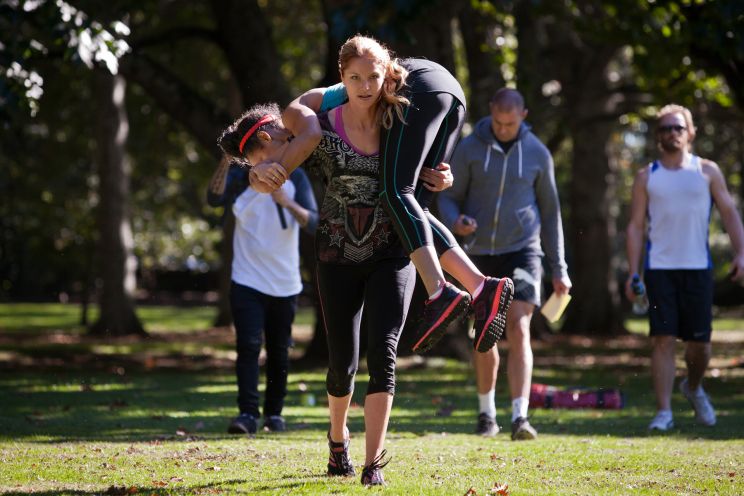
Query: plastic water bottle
<point x="640" y="303"/>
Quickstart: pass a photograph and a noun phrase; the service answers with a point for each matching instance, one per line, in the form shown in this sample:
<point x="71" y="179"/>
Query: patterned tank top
<point x="353" y="227"/>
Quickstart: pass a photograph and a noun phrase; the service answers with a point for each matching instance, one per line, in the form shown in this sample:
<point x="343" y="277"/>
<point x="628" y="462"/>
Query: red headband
<point x="263" y="120"/>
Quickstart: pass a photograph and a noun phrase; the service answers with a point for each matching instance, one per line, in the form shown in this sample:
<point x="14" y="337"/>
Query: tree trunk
<point x="429" y="36"/>
<point x="117" y="316"/>
<point x="484" y="76"/>
<point x="244" y="34"/>
<point x="592" y="199"/>
<point x="593" y="205"/>
<point x="578" y="105"/>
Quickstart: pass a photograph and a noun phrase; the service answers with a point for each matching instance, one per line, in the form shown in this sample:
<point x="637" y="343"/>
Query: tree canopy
<point x="592" y="72"/>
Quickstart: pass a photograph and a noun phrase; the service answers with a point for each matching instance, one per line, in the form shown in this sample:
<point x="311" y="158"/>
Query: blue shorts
<point x="523" y="266"/>
<point x="680" y="303"/>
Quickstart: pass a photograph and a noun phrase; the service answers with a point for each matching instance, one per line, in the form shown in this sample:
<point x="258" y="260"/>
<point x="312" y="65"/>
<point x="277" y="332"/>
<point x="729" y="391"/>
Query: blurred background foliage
<point x="593" y="72"/>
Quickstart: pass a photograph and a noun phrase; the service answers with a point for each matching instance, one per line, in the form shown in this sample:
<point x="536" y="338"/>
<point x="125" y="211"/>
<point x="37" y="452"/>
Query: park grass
<point x="112" y="428"/>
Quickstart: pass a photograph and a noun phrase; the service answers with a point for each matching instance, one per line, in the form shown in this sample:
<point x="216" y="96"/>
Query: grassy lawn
<point x="108" y="424"/>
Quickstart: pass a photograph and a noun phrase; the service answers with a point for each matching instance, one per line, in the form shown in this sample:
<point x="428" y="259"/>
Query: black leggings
<point x="377" y="294"/>
<point x="432" y="128"/>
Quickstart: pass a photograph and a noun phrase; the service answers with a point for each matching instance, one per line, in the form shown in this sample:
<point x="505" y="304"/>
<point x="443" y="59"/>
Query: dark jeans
<point x="254" y="312"/>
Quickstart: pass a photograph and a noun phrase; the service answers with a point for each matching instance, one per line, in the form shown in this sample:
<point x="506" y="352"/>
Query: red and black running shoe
<point x="490" y="309"/>
<point x="339" y="462"/>
<point x="372" y="473"/>
<point x="439" y="313"/>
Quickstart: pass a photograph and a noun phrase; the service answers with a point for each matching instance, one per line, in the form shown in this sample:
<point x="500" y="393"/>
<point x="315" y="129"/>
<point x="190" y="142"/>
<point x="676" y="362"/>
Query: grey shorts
<point x="523" y="266"/>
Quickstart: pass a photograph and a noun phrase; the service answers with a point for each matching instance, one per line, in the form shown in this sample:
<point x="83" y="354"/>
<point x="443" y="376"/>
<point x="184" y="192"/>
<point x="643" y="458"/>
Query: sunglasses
<point x="669" y="129"/>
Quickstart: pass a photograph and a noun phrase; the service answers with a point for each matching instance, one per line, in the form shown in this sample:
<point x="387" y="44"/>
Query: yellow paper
<point x="554" y="307"/>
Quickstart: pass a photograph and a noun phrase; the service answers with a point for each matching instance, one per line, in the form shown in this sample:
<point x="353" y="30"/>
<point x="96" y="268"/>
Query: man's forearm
<point x="633" y="242"/>
<point x="732" y="223"/>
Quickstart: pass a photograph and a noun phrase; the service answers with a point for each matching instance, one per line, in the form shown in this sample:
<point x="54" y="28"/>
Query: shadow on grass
<point x="216" y="488"/>
<point x="285" y="484"/>
<point x="161" y="406"/>
<point x="109" y="403"/>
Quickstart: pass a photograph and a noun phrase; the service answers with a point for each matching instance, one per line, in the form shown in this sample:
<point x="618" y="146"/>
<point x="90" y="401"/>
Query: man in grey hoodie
<point x="505" y="204"/>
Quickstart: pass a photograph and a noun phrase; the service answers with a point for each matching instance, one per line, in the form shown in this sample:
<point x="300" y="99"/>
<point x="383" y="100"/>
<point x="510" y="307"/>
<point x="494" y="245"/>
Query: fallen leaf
<point x="471" y="492"/>
<point x="159" y="483"/>
<point x="500" y="489"/>
<point x="176" y="479"/>
<point x="181" y="431"/>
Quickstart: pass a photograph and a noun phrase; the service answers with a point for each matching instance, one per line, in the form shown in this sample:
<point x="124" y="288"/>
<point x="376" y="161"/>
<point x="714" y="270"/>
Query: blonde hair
<point x="678" y="109"/>
<point x="391" y="99"/>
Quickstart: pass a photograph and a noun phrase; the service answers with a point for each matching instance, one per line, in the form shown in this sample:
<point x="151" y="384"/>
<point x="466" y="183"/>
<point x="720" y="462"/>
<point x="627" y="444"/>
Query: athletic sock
<point x="438" y="292"/>
<point x="487" y="403"/>
<point x="479" y="289"/>
<point x="667" y="414"/>
<point x="519" y="407"/>
<point x="697" y="392"/>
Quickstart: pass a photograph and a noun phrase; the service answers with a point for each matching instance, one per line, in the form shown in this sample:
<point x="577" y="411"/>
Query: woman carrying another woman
<point x="363" y="272"/>
<point x="420" y="134"/>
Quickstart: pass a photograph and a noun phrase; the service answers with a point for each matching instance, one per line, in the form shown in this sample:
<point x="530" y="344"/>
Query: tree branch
<point x="200" y="116"/>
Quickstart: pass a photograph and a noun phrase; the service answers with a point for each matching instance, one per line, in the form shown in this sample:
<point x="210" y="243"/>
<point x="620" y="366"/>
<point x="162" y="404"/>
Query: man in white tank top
<point x="670" y="207"/>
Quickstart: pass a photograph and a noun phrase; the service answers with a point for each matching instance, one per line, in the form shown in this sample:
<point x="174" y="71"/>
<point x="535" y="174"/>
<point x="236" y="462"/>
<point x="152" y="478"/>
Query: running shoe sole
<point x="456" y="310"/>
<point x="496" y="326"/>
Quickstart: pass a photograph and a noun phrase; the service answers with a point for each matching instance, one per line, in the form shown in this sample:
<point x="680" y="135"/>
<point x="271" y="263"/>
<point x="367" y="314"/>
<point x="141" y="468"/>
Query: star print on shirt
<point x="382" y="237"/>
<point x="324" y="229"/>
<point x="336" y="239"/>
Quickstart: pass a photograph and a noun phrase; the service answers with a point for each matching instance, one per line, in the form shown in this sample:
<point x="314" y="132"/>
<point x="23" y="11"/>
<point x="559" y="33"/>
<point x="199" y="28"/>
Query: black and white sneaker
<point x="486" y="425"/>
<point x="522" y="430"/>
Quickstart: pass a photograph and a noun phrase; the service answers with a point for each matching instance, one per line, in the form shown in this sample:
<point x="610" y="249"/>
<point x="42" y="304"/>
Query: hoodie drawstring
<point x="519" y="146"/>
<point x="488" y="159"/>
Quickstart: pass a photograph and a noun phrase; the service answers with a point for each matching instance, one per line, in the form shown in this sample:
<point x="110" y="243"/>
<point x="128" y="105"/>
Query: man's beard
<point x="670" y="146"/>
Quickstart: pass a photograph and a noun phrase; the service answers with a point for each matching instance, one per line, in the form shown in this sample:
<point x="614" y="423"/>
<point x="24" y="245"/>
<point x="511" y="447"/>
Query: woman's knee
<point x="340" y="382"/>
<point x="381" y="383"/>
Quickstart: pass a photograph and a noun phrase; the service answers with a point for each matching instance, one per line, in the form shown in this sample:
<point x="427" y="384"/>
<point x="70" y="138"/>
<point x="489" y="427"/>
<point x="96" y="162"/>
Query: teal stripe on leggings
<point x="384" y="181"/>
<point x="436" y="161"/>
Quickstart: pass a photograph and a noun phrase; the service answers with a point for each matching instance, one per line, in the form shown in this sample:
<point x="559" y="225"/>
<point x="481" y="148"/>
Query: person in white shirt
<point x="265" y="270"/>
<point x="671" y="203"/>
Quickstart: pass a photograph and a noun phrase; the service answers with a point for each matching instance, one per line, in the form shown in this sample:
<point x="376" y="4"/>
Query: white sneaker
<point x="704" y="412"/>
<point x="662" y="422"/>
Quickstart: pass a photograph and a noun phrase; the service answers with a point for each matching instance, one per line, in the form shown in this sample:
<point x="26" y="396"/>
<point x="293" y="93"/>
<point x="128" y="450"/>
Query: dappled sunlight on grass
<point x="81" y="415"/>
